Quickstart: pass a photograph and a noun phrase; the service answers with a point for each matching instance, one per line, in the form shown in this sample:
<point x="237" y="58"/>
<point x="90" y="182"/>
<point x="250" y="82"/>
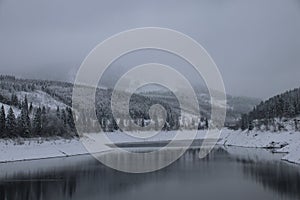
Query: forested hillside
<point x="41" y="108"/>
<point x="277" y="113"/>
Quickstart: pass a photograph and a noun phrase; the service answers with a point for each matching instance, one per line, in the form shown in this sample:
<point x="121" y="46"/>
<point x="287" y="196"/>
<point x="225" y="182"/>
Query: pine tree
<point x="14" y="100"/>
<point x="44" y="121"/>
<point x="58" y="112"/>
<point x="44" y="110"/>
<point x="250" y="125"/>
<point x="143" y="122"/>
<point x="30" y="108"/>
<point x="114" y="124"/>
<point x="70" y="120"/>
<point x="11" y="125"/>
<point x="37" y="123"/>
<point x="291" y="110"/>
<point x="206" y="123"/>
<point x="25" y="103"/>
<point x="244" y="122"/>
<point x="2" y="123"/>
<point x="24" y="121"/>
<point x="63" y="117"/>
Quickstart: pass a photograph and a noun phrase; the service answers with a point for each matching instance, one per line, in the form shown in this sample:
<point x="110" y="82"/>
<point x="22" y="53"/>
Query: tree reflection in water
<point x="83" y="177"/>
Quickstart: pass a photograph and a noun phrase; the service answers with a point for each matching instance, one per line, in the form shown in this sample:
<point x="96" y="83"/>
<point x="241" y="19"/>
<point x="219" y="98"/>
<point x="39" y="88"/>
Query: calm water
<point x="224" y="174"/>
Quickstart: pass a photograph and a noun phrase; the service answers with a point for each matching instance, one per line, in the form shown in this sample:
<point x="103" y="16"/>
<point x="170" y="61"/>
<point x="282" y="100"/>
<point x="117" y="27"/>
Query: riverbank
<point x="41" y="148"/>
<point x="33" y="149"/>
<point x="280" y="142"/>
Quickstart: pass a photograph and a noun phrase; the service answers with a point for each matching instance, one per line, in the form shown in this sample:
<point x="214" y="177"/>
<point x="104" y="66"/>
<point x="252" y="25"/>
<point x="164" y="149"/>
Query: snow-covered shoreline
<point x="34" y="149"/>
<point x="287" y="142"/>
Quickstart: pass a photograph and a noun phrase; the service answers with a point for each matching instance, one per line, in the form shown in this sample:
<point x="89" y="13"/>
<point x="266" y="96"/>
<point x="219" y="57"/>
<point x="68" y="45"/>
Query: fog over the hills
<point x="255" y="43"/>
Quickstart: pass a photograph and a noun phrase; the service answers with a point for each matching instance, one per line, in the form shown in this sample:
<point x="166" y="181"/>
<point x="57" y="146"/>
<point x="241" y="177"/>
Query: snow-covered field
<point x="281" y="142"/>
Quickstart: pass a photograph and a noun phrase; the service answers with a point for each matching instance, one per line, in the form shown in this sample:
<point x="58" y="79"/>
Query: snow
<point x="39" y="98"/>
<point x="281" y="142"/>
<point x="17" y="111"/>
<point x="38" y="148"/>
<point x="32" y="149"/>
<point x="286" y="145"/>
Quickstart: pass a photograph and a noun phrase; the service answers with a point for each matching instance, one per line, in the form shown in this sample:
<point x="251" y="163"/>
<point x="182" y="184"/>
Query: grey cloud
<point x="255" y="43"/>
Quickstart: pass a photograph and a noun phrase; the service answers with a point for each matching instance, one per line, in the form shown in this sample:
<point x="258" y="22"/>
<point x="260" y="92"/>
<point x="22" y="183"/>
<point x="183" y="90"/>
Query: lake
<point x="226" y="173"/>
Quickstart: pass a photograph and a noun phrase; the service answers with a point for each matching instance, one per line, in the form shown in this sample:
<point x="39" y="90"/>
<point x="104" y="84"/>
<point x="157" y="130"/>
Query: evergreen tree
<point x="37" y="123"/>
<point x="291" y="110"/>
<point x="30" y="108"/>
<point x="11" y="125"/>
<point x="244" y="122"/>
<point x="2" y="123"/>
<point x="206" y="123"/>
<point x="58" y="112"/>
<point x="14" y="100"/>
<point x="25" y="103"/>
<point x="44" y="119"/>
<point x="70" y="120"/>
<point x="143" y="122"/>
<point x="250" y="125"/>
<point x="63" y="117"/>
<point x="24" y="121"/>
<point x="44" y="110"/>
<point x="114" y="125"/>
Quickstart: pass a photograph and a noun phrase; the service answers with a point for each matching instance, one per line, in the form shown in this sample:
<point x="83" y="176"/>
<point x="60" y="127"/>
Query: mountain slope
<point x="279" y="112"/>
<point x="54" y="93"/>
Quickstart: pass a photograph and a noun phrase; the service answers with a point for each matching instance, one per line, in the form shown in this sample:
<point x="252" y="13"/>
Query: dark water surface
<point x="230" y="173"/>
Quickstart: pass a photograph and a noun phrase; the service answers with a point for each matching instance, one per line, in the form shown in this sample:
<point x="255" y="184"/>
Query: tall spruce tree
<point x="14" y="100"/>
<point x="24" y="120"/>
<point x="2" y="123"/>
<point x="11" y="125"/>
<point x="30" y="108"/>
<point x="63" y="117"/>
<point x="58" y="112"/>
<point x="70" y="120"/>
<point x="37" y="122"/>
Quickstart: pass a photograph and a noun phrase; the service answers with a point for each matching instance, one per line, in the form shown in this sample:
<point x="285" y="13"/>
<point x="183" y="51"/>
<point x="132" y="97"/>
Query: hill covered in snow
<point x="54" y="94"/>
<point x="279" y="113"/>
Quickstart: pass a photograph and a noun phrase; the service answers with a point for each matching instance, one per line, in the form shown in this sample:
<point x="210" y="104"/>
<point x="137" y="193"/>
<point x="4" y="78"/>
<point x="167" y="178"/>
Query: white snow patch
<point x="17" y="111"/>
<point x="39" y="98"/>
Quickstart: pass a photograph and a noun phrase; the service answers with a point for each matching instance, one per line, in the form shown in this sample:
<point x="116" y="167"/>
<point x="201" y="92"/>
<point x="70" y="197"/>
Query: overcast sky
<point x="255" y="43"/>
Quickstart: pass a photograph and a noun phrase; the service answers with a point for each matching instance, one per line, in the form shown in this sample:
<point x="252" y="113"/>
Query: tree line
<point x="44" y="122"/>
<point x="283" y="106"/>
<point x="36" y="122"/>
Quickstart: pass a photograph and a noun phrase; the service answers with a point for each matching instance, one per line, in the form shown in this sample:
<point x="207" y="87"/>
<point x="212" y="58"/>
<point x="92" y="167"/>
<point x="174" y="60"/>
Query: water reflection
<point x="190" y="178"/>
<point x="275" y="176"/>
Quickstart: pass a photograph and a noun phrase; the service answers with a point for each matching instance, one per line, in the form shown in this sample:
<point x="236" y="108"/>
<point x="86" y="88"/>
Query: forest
<point x="43" y="121"/>
<point x="272" y="112"/>
<point x="36" y="122"/>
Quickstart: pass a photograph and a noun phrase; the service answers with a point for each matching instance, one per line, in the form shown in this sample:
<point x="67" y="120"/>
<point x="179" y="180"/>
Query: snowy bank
<point x="281" y="142"/>
<point x="33" y="149"/>
<point x="30" y="149"/>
